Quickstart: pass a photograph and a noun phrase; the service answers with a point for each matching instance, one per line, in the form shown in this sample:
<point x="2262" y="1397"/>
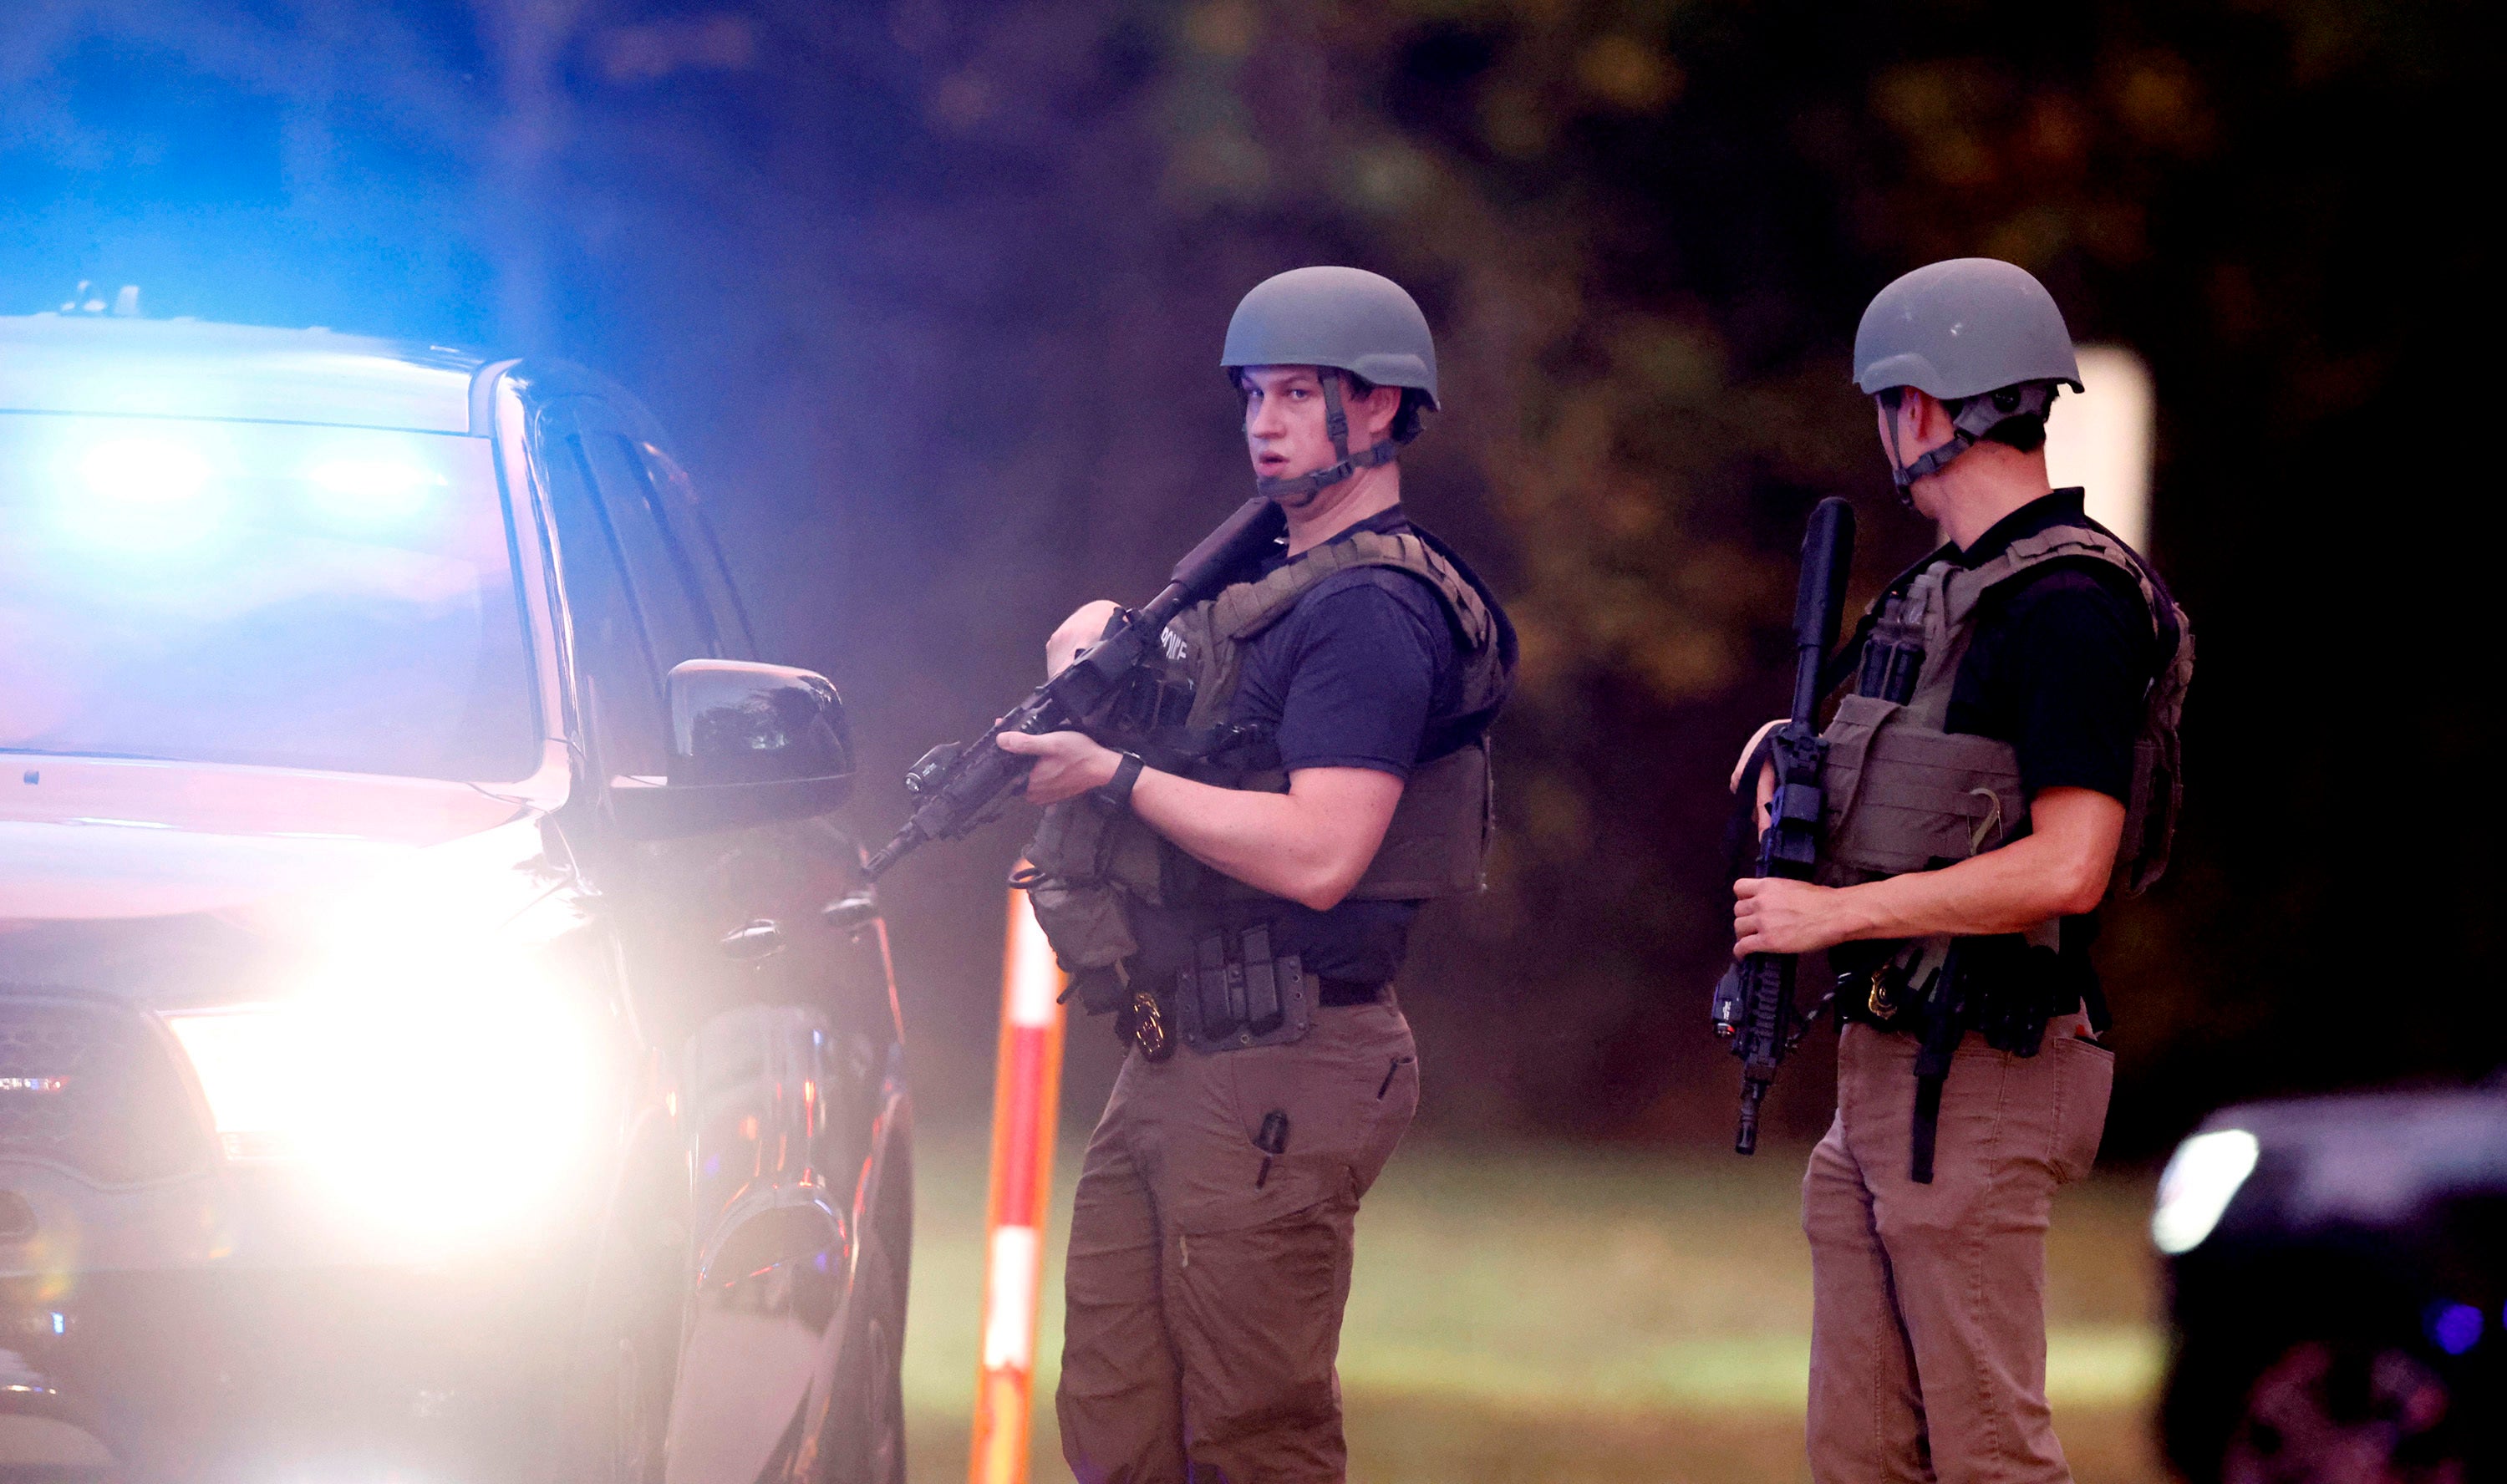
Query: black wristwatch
<point x="1117" y="791"/>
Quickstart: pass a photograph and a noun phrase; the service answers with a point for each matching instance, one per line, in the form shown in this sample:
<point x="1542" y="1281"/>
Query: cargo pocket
<point x="2086" y="1077"/>
<point x="1344" y="1112"/>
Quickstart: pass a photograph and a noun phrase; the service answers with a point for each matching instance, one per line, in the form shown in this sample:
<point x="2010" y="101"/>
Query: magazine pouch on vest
<point x="1092" y="866"/>
<point x="1903" y="794"/>
<point x="1239" y="993"/>
<point x="1070" y="878"/>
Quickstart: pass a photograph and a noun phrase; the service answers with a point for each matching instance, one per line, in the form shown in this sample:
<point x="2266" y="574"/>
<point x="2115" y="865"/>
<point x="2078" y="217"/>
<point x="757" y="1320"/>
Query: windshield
<point x="265" y="593"/>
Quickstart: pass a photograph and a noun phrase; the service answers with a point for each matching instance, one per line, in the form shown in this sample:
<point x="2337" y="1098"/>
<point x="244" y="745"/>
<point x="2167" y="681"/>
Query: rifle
<point x="958" y="785"/>
<point x="1754" y="1000"/>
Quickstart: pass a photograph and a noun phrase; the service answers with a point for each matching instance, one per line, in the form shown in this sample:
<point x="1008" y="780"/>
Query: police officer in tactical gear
<point x="2008" y="751"/>
<point x="1234" y="880"/>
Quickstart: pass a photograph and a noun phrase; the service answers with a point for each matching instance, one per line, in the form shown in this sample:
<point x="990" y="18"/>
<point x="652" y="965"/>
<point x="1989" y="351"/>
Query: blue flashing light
<point x="152" y="471"/>
<point x="2454" y="1327"/>
<point x="147" y="493"/>
<point x="60" y="1323"/>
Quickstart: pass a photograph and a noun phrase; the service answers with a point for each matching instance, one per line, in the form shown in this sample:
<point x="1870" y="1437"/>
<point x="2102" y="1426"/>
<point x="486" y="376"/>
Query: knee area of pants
<point x="1929" y="1228"/>
<point x="1287" y="1411"/>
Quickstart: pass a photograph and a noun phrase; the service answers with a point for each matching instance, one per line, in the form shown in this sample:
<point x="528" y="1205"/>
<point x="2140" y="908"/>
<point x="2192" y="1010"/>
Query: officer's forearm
<point x="2059" y="869"/>
<point x="1309" y="845"/>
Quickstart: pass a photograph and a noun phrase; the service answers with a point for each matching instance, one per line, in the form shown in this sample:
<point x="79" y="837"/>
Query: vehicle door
<point x="759" y="1005"/>
<point x="835" y="958"/>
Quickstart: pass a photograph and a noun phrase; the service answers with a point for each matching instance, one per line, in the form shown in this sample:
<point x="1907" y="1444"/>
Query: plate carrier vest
<point x="1090" y="864"/>
<point x="1903" y="794"/>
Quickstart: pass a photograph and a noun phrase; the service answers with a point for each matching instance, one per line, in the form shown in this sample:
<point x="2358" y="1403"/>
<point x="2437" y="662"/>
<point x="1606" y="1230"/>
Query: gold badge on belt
<point x="1145" y="1025"/>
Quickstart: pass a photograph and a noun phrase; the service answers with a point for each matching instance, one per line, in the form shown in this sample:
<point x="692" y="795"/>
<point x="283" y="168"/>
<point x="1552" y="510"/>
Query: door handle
<point x="754" y="940"/>
<point x="849" y="915"/>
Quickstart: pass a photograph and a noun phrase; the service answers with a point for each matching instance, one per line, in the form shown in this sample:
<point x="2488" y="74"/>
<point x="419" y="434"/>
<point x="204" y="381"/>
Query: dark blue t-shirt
<point x="1361" y="673"/>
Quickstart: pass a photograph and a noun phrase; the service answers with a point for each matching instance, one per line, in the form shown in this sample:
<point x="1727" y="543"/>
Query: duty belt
<point x="1238" y="994"/>
<point x="1339" y="993"/>
<point x="2008" y="998"/>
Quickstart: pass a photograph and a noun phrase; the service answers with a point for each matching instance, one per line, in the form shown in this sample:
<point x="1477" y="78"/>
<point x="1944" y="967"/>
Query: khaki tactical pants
<point x="1204" y="1295"/>
<point x="1928" y="1326"/>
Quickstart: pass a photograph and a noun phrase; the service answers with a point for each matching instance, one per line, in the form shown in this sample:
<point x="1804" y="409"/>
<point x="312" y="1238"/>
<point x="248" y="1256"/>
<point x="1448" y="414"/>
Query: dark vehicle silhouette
<point x="442" y="1035"/>
<point x="2337" y="1268"/>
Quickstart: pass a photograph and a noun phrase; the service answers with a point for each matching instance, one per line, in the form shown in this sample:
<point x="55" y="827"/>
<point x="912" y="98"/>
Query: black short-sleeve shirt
<point x="1363" y="673"/>
<point x="2061" y="662"/>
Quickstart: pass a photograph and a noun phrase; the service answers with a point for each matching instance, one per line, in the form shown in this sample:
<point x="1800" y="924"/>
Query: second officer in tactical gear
<point x="1232" y="872"/>
<point x="2009" y="749"/>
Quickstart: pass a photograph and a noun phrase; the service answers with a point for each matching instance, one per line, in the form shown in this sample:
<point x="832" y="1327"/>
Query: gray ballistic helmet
<point x="1980" y="334"/>
<point x="1343" y="319"/>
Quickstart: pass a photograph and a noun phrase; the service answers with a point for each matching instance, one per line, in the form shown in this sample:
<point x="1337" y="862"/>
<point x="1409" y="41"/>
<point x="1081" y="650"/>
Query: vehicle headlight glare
<point x="438" y="1101"/>
<point x="252" y="1062"/>
<point x="2202" y="1178"/>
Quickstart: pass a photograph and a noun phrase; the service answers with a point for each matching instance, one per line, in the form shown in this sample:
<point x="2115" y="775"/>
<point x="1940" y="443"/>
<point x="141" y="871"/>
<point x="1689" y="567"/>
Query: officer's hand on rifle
<point x="1772" y="915"/>
<point x="1084" y="627"/>
<point x="2059" y="868"/>
<point x="1067" y="764"/>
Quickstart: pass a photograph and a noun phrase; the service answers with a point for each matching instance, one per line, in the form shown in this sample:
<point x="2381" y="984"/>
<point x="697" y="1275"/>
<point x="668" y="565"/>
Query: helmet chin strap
<point x="1337" y="422"/>
<point x="1971" y="418"/>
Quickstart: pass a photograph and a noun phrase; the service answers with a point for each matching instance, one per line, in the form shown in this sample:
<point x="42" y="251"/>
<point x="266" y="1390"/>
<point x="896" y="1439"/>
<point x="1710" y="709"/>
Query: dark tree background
<point x="932" y="292"/>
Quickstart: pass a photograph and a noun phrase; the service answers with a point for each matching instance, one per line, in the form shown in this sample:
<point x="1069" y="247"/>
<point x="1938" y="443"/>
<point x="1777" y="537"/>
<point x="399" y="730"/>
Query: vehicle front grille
<point x="92" y="1087"/>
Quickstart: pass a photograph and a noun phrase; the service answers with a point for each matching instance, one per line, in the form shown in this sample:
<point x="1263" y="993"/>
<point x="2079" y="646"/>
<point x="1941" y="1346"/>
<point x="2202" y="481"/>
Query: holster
<point x="2004" y="989"/>
<point x="1239" y="993"/>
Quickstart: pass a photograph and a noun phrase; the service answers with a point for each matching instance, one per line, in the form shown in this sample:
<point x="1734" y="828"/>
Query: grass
<point x="1571" y="1316"/>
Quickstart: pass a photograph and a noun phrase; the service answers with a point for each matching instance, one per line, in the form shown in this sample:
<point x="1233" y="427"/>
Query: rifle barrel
<point x="1819" y="598"/>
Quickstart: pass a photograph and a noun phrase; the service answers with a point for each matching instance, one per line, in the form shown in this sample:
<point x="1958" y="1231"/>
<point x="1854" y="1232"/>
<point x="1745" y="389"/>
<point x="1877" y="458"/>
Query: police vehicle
<point x="2338" y="1270"/>
<point x="442" y="1034"/>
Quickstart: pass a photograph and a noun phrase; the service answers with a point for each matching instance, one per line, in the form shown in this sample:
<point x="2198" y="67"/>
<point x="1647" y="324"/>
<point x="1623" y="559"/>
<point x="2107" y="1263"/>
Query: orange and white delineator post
<point x="1027" y="1091"/>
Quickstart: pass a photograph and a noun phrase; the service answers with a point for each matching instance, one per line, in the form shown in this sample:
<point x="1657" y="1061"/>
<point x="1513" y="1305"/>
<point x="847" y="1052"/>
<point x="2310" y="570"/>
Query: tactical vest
<point x="1905" y="794"/>
<point x="1090" y="864"/>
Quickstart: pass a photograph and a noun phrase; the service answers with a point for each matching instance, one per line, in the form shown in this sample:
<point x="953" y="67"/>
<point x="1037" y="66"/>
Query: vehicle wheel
<point x="2337" y="1414"/>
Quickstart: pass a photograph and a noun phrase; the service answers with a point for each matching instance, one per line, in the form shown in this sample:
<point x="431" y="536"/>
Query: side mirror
<point x="750" y="744"/>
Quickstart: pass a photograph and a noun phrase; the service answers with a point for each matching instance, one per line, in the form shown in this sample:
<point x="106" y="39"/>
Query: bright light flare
<point x="250" y="1060"/>
<point x="2202" y="1178"/>
<point x="444" y="1097"/>
<point x="145" y="471"/>
<point x="374" y="490"/>
<point x="142" y="494"/>
<point x="2101" y="440"/>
